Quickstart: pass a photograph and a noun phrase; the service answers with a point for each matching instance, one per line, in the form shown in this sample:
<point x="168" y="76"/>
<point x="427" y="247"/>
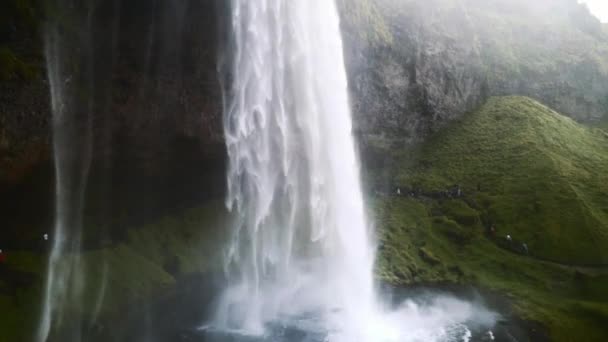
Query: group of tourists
<point x="512" y="244"/>
<point x="453" y="192"/>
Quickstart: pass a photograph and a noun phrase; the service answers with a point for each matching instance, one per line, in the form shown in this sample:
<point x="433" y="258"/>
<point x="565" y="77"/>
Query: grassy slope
<point x="539" y="173"/>
<point x="602" y="125"/>
<point x="157" y="253"/>
<point x="534" y="174"/>
<point x="365" y="16"/>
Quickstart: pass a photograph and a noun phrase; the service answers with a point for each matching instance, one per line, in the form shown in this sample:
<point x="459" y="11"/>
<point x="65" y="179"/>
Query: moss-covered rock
<point x="526" y="172"/>
<point x="117" y="278"/>
<point x="367" y="19"/>
<point x="534" y="174"/>
<point x="447" y="57"/>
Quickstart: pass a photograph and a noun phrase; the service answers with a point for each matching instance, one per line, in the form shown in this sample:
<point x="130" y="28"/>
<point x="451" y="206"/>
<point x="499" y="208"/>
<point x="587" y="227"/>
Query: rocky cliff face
<point x="144" y="70"/>
<point x="435" y="60"/>
<point x="144" y="74"/>
<point x="413" y="66"/>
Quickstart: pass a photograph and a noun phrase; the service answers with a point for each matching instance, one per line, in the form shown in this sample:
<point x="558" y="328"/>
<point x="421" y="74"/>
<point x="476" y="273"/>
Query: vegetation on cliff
<point x="516" y="168"/>
<point x="118" y="277"/>
<point x="366" y="17"/>
<point x="447" y="57"/>
<point x="531" y="168"/>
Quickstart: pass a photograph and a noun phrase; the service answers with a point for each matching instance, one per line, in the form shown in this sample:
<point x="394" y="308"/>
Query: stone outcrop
<point x="144" y="74"/>
<point x="428" y="62"/>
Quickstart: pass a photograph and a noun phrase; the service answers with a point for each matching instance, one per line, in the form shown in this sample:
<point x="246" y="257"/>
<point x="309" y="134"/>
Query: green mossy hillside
<point x="532" y="172"/>
<point x="366" y="17"/>
<point x="117" y="276"/>
<point x="603" y="125"/>
<point x="419" y="244"/>
<point x="524" y="171"/>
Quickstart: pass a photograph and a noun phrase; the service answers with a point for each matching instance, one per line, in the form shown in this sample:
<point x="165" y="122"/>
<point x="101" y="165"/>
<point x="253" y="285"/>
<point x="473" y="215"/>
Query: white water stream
<point x="301" y="241"/>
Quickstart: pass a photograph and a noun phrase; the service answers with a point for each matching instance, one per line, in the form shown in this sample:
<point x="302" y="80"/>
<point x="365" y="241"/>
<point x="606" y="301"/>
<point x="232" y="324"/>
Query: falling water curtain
<point x="78" y="56"/>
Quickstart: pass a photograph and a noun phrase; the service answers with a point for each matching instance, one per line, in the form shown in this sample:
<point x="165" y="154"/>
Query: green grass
<point x="141" y="267"/>
<point x="569" y="302"/>
<point x="366" y="19"/>
<point x="534" y="173"/>
<point x="602" y="125"/>
<point x="536" y="176"/>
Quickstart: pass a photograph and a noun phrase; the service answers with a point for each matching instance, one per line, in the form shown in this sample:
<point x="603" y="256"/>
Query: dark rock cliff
<point x="156" y="101"/>
<point x="428" y="62"/>
<point x="142" y="75"/>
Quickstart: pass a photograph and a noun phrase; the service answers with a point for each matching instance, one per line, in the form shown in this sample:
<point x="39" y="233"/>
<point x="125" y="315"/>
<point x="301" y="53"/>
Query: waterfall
<point x="69" y="53"/>
<point x="72" y="153"/>
<point x="301" y="253"/>
<point x="301" y="241"/>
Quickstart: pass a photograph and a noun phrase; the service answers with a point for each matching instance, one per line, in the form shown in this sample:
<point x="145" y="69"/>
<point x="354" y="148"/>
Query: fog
<point x="598" y="8"/>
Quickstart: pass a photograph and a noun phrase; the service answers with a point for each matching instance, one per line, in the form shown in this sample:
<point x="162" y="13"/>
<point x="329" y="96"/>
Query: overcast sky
<point x="599" y="8"/>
